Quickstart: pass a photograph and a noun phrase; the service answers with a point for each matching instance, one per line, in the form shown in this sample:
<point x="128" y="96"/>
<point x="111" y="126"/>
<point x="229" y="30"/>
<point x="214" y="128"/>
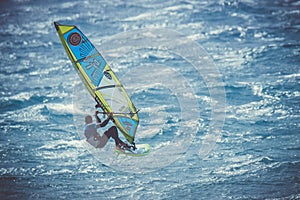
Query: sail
<point x="99" y="79"/>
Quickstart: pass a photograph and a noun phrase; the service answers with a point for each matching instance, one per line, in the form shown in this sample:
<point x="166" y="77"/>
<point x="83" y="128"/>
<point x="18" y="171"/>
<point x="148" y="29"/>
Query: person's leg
<point x="113" y="132"/>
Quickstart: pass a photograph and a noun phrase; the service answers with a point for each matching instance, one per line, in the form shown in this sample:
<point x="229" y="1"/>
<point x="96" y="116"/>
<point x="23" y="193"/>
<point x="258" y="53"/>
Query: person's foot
<point x="125" y="145"/>
<point x="121" y="147"/>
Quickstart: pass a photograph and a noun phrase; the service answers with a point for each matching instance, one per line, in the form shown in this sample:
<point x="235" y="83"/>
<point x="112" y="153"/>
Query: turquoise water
<point x="254" y="46"/>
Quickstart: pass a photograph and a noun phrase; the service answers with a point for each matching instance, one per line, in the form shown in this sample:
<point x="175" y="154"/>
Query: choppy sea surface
<point x="253" y="45"/>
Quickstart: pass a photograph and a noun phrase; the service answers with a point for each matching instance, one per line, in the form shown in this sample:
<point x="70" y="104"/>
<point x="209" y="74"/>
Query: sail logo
<point x="128" y="126"/>
<point x="75" y="39"/>
<point x="94" y="69"/>
<point x="107" y="75"/>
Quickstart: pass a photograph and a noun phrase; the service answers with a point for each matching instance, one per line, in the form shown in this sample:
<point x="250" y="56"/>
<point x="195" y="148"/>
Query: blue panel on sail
<point x="129" y="124"/>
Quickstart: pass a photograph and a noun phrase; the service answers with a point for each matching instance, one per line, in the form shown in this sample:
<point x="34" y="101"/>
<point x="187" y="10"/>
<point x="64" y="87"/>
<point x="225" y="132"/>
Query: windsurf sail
<point x="99" y="79"/>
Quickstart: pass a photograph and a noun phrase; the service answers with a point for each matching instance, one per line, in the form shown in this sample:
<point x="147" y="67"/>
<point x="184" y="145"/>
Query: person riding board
<point x="95" y="139"/>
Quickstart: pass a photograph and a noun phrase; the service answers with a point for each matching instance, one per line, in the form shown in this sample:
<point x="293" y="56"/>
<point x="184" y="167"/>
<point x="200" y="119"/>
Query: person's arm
<point x="105" y="122"/>
<point x="97" y="118"/>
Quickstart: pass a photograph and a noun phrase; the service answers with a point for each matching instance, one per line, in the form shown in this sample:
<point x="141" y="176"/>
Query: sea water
<point x="216" y="82"/>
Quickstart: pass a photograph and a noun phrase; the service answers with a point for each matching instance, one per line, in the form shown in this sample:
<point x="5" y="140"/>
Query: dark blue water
<point x="255" y="47"/>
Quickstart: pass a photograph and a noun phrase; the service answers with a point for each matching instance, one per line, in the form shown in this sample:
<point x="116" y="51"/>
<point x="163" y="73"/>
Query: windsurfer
<point x="95" y="139"/>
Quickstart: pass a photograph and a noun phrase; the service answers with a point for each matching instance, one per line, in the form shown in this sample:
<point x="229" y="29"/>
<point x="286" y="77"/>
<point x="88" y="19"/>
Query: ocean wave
<point x="255" y="46"/>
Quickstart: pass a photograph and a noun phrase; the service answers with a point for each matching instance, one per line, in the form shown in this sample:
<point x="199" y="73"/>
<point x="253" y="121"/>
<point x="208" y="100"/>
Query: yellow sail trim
<point x="64" y="29"/>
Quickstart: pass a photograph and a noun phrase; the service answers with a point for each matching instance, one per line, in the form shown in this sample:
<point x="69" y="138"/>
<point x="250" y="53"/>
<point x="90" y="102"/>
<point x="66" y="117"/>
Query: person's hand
<point x="111" y="116"/>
